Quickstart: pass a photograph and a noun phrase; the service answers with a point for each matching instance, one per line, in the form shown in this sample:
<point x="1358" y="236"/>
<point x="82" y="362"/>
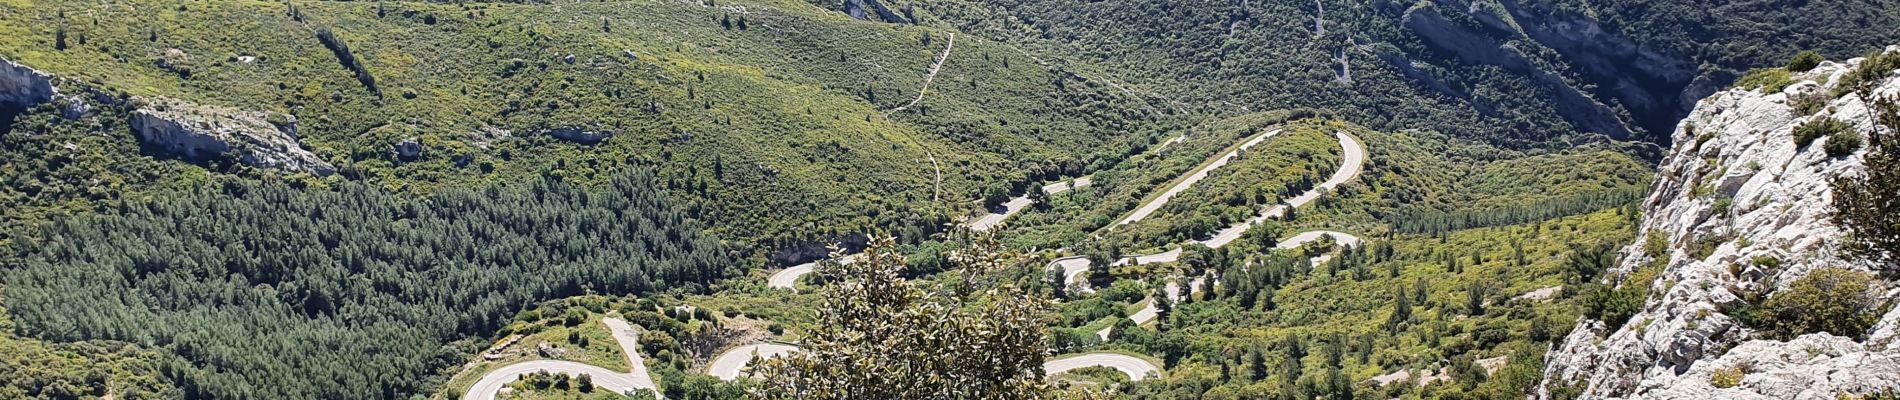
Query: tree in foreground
<point x="879" y="336"/>
<point x="1864" y="203"/>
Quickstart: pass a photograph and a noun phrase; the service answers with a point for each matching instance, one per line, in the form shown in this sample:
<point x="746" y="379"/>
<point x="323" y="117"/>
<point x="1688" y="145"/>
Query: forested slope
<point x="1516" y="73"/>
<point x="270" y="291"/>
<point x="766" y="119"/>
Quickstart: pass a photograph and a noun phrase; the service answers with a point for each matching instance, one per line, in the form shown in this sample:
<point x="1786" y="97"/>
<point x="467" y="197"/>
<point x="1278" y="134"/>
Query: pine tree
<point x="1258" y="365"/>
<point x="1164" y="304"/>
<point x="1474" y="299"/>
<point x="1401" y="310"/>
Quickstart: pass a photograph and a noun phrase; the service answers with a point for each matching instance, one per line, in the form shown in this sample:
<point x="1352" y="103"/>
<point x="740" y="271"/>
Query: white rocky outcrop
<point x="22" y="86"/>
<point x="1735" y="183"/>
<point x="199" y="132"/>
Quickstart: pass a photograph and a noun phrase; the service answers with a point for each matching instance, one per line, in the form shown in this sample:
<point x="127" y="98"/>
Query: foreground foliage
<point x="1864" y="204"/>
<point x="879" y="337"/>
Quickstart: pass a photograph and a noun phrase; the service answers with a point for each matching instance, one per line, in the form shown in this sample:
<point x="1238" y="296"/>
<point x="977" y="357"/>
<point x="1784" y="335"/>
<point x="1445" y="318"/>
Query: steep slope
<point x="1527" y="73"/>
<point x="1740" y="214"/>
<point x="766" y="118"/>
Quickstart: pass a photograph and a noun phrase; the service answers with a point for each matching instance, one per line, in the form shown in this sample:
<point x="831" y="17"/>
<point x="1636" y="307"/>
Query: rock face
<point x="855" y="8"/>
<point x="408" y="149"/>
<point x="1429" y="23"/>
<point x="1647" y="81"/>
<point x="201" y="132"/>
<point x="1736" y="187"/>
<point x="22" y="87"/>
<point x="578" y="135"/>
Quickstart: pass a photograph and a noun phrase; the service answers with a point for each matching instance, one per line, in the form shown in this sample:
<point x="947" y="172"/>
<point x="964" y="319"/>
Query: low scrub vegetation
<point x="1834" y="300"/>
<point x="1824" y="127"/>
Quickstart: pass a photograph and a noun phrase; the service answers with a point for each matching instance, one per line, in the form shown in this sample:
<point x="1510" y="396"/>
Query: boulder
<point x="200" y="132"/>
<point x="73" y="107"/>
<point x="408" y="149"/>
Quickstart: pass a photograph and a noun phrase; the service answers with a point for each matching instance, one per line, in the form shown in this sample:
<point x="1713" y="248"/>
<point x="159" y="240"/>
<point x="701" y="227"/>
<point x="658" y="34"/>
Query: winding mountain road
<point x="1197" y="176"/>
<point x="1013" y="206"/>
<point x="1352" y="163"/>
<point x="618" y="382"/>
<point x="728" y="365"/>
<point x="1136" y="368"/>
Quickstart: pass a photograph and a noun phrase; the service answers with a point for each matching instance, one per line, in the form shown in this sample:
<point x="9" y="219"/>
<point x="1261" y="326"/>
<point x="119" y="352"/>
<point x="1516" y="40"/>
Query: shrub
<point x="1804" y="61"/>
<point x="1809" y="131"/>
<point x="1873" y="69"/>
<point x="1809" y="102"/>
<point x="1727" y="377"/>
<point x="1842" y="143"/>
<point x="1767" y="262"/>
<point x="1863" y="204"/>
<point x="1834" y="300"/>
<point x="1768" y="80"/>
<point x="1613" y="306"/>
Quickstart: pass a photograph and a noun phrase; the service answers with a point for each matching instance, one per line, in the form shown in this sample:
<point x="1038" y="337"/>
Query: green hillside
<point x="769" y="120"/>
<point x="422" y="192"/>
<point x="1518" y="73"/>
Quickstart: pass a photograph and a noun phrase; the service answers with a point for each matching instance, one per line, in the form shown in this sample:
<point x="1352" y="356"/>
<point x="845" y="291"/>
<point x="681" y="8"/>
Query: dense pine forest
<point x="264" y="290"/>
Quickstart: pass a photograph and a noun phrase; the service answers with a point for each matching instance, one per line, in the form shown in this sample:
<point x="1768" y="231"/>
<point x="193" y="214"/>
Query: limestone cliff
<point x="22" y="87"/>
<point x="1430" y="23"/>
<point x="203" y="132"/>
<point x="1736" y="189"/>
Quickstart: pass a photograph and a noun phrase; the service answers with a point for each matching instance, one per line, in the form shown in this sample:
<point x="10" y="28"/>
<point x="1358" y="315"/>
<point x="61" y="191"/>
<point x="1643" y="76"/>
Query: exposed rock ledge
<point x="1736" y="182"/>
<point x="203" y="132"/>
<point x="23" y="87"/>
<point x="582" y="136"/>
